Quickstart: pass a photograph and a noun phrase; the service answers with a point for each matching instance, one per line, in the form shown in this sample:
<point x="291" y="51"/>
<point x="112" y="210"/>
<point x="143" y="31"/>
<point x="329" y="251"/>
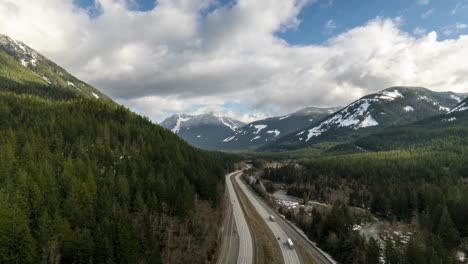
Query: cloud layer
<point x="199" y="55"/>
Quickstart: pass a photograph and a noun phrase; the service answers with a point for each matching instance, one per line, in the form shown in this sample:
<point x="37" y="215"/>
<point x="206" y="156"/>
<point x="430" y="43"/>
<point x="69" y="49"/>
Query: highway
<point x="290" y="256"/>
<point x="230" y="245"/>
<point x="238" y="245"/>
<point x="282" y="229"/>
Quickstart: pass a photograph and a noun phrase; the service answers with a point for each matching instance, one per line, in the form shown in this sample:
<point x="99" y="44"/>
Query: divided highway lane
<point x="290" y="256"/>
<point x="245" y="245"/>
<point x="230" y="245"/>
<point x="292" y="232"/>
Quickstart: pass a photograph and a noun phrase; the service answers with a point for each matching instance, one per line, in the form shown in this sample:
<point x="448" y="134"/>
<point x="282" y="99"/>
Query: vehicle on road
<point x="272" y="218"/>
<point x="290" y="243"/>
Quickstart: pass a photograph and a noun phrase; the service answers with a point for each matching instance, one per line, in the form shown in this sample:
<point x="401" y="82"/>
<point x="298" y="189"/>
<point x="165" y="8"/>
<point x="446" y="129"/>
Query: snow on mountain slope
<point x="359" y="114"/>
<point x="270" y="129"/>
<point x="392" y="106"/>
<point x="180" y="119"/>
<point x="46" y="70"/>
<point x="459" y="108"/>
<point x="177" y="122"/>
<point x="205" y="131"/>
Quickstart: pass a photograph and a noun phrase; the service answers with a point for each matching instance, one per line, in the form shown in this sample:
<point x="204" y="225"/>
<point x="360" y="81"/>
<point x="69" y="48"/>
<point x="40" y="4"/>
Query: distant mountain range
<point x="395" y="106"/>
<point x="261" y="132"/>
<point x="390" y="107"/>
<point x="216" y="132"/>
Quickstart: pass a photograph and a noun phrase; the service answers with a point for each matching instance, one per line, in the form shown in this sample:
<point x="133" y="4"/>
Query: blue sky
<point x="323" y="19"/>
<point x="342" y="15"/>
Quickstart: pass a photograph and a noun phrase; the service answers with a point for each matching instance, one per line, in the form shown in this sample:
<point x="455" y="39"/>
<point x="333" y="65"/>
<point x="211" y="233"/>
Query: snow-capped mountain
<point x="434" y="131"/>
<point x="47" y="72"/>
<point x="392" y="106"/>
<point x="205" y="131"/>
<point x="270" y="129"/>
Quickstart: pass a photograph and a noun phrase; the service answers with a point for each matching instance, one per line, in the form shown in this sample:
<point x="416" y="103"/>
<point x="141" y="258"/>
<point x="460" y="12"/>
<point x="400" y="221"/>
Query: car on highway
<point x="272" y="218"/>
<point x="290" y="243"/>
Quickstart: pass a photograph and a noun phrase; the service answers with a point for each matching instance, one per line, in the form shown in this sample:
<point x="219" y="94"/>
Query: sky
<point x="247" y="59"/>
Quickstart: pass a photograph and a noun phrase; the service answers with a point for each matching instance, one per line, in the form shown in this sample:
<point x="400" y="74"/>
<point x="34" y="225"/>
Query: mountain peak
<point x="202" y="130"/>
<point x="179" y="121"/>
<point x="20" y="51"/>
<point x="45" y="71"/>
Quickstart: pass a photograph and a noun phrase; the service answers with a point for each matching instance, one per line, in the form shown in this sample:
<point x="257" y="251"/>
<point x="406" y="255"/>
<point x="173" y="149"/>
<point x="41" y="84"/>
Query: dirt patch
<point x="267" y="249"/>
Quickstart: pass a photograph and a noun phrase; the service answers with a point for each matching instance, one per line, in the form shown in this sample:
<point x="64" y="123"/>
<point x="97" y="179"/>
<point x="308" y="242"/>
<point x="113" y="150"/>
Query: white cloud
<point x="419" y="31"/>
<point x="455" y="28"/>
<point x="423" y="2"/>
<point x="458" y="7"/>
<point x="427" y="14"/>
<point x="196" y="55"/>
<point x="330" y="26"/>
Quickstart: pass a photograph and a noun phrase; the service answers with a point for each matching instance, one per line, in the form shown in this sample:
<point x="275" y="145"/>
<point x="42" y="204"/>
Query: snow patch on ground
<point x="408" y="108"/>
<point x="276" y="132"/>
<point x="434" y="103"/>
<point x="355" y="116"/>
<point x="461" y="107"/>
<point x="71" y="84"/>
<point x="255" y="138"/>
<point x="180" y="120"/>
<point x="95" y="95"/>
<point x="449" y="119"/>
<point x="228" y="139"/>
<point x="228" y="124"/>
<point x="46" y="79"/>
<point x="443" y="108"/>
<point x="389" y="95"/>
<point x="259" y="128"/>
<point x="456" y="98"/>
<point x="284" y="117"/>
<point x="33" y="61"/>
<point x="368" y="122"/>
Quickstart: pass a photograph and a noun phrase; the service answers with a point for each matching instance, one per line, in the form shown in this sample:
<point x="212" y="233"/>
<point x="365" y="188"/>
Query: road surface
<point x="230" y="245"/>
<point x="281" y="228"/>
<point x="237" y="229"/>
<point x="290" y="256"/>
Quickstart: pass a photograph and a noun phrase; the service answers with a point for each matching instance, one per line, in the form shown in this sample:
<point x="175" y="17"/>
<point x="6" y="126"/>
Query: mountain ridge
<point x="392" y="106"/>
<point x="217" y="132"/>
<point x="48" y="73"/>
<point x="202" y="130"/>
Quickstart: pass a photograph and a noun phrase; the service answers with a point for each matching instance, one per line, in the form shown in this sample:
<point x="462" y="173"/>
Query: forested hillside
<point x="423" y="187"/>
<point x="83" y="180"/>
